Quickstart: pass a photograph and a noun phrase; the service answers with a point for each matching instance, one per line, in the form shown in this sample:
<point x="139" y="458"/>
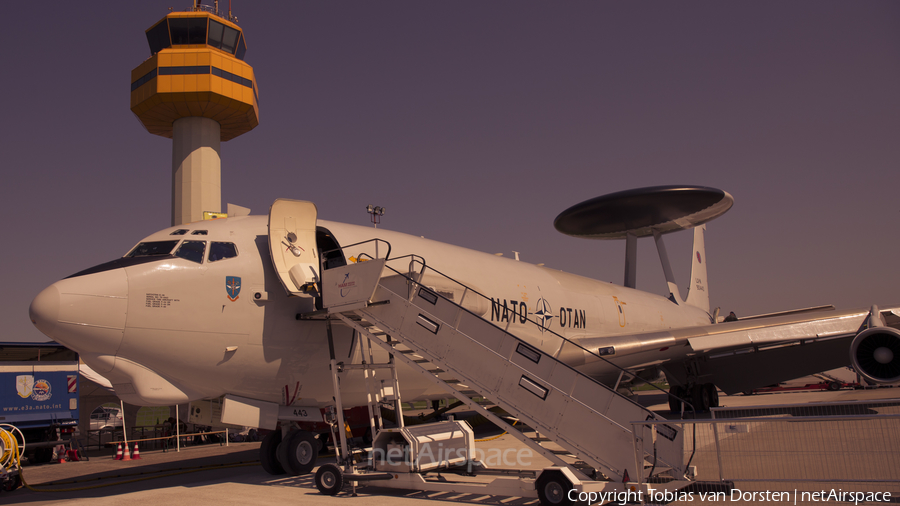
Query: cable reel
<point x="10" y="455"/>
<point x="10" y="447"/>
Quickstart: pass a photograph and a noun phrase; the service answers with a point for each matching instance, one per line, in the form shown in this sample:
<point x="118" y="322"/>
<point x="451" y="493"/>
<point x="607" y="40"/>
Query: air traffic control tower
<point x="196" y="90"/>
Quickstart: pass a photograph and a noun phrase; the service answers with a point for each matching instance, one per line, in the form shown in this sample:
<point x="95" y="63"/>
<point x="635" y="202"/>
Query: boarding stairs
<point x="470" y="356"/>
<point x="548" y="446"/>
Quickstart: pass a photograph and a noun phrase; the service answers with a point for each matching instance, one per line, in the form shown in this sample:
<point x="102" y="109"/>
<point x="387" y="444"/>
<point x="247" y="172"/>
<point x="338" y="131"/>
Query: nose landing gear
<point x="294" y="454"/>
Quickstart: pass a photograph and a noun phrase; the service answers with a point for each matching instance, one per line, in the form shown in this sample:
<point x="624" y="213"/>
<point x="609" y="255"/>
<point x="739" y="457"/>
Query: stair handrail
<point x="375" y="240"/>
<point x="466" y="289"/>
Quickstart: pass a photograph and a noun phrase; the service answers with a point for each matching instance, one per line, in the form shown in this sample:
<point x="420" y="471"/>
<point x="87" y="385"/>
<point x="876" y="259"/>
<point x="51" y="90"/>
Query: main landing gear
<point x="702" y="395"/>
<point x="294" y="453"/>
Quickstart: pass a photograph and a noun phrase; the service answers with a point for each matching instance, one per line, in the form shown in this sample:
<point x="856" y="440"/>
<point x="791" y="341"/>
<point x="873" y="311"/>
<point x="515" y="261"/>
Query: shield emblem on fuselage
<point x="24" y="385"/>
<point x="232" y="287"/>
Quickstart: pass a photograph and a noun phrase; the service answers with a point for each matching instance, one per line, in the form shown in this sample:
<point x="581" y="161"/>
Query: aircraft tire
<point x="268" y="450"/>
<point x="700" y="398"/>
<point x="323" y="442"/>
<point x="297" y="453"/>
<point x="281" y="453"/>
<point x="267" y="453"/>
<point x="329" y="479"/>
<point x="675" y="399"/>
<point x="713" y="395"/>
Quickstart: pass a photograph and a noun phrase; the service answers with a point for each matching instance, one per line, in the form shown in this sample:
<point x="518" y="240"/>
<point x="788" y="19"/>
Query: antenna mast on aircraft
<point x="377" y="212"/>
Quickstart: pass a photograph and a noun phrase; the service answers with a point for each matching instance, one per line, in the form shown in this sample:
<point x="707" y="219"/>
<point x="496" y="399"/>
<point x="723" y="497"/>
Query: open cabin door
<point x="292" y="245"/>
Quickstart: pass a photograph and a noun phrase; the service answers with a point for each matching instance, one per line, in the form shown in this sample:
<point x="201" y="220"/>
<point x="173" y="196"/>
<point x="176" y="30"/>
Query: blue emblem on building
<point x="232" y="287"/>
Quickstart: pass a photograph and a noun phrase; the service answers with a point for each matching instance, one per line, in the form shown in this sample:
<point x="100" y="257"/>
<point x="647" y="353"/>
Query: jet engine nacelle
<point x="875" y="354"/>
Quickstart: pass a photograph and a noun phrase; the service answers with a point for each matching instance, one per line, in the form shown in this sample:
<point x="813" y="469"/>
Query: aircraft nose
<point x="44" y="310"/>
<point x="86" y="313"/>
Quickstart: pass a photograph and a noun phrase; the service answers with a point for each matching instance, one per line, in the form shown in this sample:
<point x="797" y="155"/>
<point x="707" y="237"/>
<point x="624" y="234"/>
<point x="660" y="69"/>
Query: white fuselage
<point x="172" y="330"/>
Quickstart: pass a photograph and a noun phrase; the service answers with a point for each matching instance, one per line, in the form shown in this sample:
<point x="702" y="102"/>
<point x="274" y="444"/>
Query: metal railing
<point x="364" y="253"/>
<point x="415" y="272"/>
<point x="416" y="276"/>
<point x="213" y="10"/>
<point x="850" y="453"/>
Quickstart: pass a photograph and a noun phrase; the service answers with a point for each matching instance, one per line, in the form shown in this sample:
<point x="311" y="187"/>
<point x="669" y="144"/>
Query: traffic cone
<point x="137" y="453"/>
<point x="118" y="453"/>
<point x="126" y="455"/>
<point x="60" y="454"/>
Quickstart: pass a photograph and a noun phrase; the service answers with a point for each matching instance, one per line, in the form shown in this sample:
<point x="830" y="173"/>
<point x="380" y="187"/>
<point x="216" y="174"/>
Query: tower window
<point x="158" y="37"/>
<point x="222" y="37"/>
<point x="241" y="48"/>
<point x="188" y="30"/>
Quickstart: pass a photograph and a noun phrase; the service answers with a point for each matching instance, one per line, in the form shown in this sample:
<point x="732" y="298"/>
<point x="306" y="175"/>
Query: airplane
<point x="226" y="307"/>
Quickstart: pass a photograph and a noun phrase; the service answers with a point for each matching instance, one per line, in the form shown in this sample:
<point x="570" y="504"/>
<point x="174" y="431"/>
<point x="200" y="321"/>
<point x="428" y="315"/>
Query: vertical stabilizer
<point x="698" y="293"/>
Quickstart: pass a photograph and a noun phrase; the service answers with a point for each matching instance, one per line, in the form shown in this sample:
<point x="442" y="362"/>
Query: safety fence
<point x="152" y="439"/>
<point x="843" y="408"/>
<point x="182" y="440"/>
<point x="800" y="459"/>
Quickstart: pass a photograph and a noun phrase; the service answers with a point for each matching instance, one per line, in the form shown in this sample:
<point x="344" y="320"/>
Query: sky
<point x="476" y="123"/>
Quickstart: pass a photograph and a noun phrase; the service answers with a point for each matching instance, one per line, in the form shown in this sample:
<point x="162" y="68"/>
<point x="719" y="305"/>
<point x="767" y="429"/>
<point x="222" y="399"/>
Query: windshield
<point x="192" y="250"/>
<point x="152" y="249"/>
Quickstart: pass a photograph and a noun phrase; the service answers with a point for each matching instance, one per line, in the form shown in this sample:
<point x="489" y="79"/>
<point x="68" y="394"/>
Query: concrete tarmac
<point x="209" y="474"/>
<point x="220" y="475"/>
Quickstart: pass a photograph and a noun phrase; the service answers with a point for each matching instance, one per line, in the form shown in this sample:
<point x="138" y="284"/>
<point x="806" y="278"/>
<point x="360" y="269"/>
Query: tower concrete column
<point x="196" y="169"/>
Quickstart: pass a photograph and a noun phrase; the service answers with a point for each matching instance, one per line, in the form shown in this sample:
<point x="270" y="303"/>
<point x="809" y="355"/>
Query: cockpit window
<point x="152" y="249"/>
<point x="199" y="232"/>
<point x="221" y="251"/>
<point x="192" y="250"/>
<point x="180" y="231"/>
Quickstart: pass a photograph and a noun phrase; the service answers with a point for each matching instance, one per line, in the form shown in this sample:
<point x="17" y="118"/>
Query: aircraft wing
<point x="738" y="356"/>
<point x="774" y="331"/>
